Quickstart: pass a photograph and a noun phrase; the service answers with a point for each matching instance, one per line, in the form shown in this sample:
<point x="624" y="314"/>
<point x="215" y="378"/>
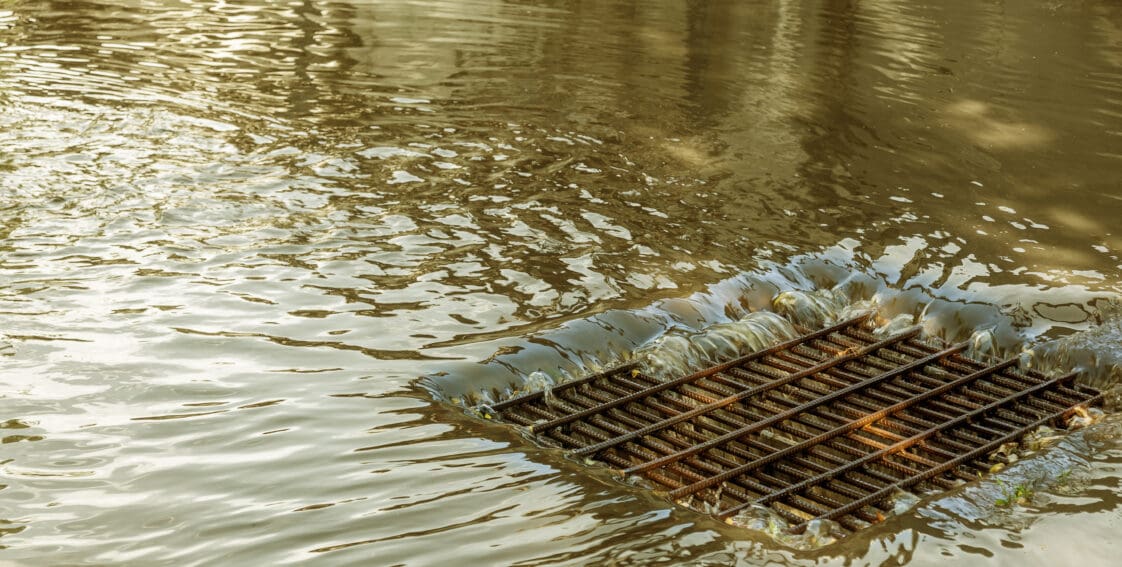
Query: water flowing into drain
<point x="832" y="425"/>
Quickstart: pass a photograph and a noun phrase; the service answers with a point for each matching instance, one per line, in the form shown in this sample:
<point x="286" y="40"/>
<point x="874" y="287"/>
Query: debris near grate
<point x="829" y="425"/>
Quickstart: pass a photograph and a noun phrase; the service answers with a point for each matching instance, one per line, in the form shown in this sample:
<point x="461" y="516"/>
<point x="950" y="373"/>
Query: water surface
<point x="232" y="235"/>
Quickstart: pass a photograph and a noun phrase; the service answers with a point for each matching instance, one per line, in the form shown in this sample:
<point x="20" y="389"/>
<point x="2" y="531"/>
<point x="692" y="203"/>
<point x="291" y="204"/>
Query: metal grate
<point x="828" y="425"/>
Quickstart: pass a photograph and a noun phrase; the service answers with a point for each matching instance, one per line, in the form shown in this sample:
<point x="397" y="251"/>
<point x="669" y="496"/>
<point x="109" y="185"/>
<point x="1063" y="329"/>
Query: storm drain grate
<point x="828" y="425"/>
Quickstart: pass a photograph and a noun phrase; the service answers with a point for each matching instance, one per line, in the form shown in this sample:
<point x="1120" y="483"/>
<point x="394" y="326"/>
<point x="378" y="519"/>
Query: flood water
<point x="233" y="235"/>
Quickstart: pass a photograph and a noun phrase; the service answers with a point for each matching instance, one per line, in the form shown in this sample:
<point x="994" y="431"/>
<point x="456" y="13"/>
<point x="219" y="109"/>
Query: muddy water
<point x="232" y="235"/>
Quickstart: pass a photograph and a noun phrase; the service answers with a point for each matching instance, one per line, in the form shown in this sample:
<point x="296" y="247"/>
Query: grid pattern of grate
<point x="828" y="425"/>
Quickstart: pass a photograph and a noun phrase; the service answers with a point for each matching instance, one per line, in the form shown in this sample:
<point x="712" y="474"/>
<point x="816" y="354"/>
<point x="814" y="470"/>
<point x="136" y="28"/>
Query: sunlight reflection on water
<point x="233" y="235"/>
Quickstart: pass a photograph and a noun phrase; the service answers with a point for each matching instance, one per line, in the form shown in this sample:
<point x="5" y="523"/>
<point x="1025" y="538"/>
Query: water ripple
<point x="233" y="234"/>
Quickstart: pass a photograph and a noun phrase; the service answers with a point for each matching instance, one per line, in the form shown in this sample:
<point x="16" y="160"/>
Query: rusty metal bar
<point x="686" y="379"/>
<point x="531" y="396"/>
<point x="825" y="425"/>
<point x="991" y="446"/>
<point x="745" y="394"/>
<point x="752" y="428"/>
<point x="851" y="426"/>
<point x="902" y="445"/>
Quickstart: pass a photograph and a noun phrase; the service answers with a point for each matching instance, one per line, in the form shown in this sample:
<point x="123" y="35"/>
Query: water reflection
<point x="232" y="234"/>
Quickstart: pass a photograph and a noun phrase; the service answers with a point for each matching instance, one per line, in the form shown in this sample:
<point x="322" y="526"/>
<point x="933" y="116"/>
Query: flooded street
<point x="234" y="235"/>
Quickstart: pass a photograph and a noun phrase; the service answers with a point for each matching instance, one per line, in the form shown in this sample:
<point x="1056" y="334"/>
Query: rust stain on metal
<point x="827" y="425"/>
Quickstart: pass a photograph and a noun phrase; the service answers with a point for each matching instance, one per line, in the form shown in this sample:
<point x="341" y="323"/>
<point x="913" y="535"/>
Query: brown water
<point x="232" y="235"/>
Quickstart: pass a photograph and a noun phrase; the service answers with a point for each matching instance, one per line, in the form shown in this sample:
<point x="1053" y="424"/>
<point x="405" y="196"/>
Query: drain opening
<point x="829" y="425"/>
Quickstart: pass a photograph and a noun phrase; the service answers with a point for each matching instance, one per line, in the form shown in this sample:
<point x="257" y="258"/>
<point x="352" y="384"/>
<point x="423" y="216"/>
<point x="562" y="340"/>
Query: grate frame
<point x="827" y="425"/>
